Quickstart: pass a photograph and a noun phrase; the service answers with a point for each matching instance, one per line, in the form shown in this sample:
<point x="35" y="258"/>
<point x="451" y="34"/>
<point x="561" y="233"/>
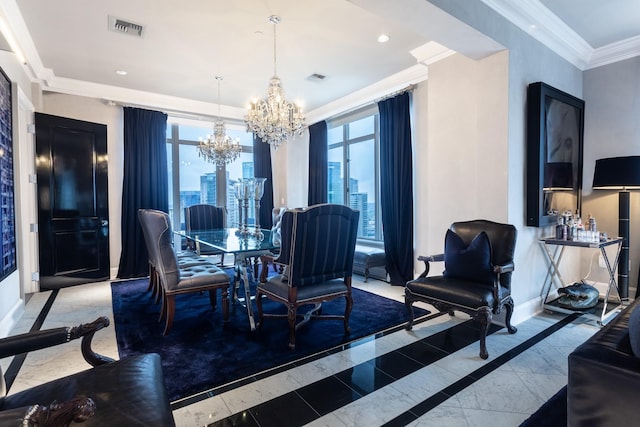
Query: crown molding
<point x="532" y="17"/>
<point x="412" y="75"/>
<point x="430" y="53"/>
<point x="34" y="68"/>
<point x="539" y="22"/>
<point x="615" y="52"/>
<point x="116" y="95"/>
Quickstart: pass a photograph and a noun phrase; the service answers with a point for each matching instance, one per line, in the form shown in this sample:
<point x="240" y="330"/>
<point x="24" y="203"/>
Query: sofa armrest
<point x="38" y="340"/>
<point x="604" y="376"/>
<point x="603" y="386"/>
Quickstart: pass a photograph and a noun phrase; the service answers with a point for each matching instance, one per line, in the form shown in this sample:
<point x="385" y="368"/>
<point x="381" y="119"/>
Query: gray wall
<point x="612" y="128"/>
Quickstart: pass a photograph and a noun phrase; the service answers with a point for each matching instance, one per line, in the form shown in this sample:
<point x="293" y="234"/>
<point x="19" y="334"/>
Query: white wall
<point x="11" y="288"/>
<point x="290" y="169"/>
<point x="97" y="111"/>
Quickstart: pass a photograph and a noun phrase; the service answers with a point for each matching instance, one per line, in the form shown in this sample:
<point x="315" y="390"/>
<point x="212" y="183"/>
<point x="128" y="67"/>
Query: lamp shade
<point x="617" y="173"/>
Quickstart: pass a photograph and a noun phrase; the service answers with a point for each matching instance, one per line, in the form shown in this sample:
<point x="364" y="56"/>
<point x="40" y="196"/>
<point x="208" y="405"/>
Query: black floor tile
<point x="287" y="410"/>
<point x="454" y="338"/>
<point x="396" y="364"/>
<point x="328" y="395"/>
<point x="241" y="419"/>
<point x="365" y="378"/>
<point x="422" y="352"/>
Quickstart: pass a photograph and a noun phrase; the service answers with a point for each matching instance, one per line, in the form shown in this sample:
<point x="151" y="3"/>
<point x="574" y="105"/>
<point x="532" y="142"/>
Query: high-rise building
<point x="208" y="188"/>
<point x="335" y="186"/>
<point x="247" y="170"/>
<point x="358" y="201"/>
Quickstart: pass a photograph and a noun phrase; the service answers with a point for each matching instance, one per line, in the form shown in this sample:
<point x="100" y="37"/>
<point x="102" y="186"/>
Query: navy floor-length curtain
<point x="396" y="187"/>
<point x="145" y="184"/>
<point x="318" y="164"/>
<point x="262" y="169"/>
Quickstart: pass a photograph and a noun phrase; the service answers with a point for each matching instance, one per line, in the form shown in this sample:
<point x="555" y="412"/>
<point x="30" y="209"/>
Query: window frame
<point x="173" y="139"/>
<point x="344" y="121"/>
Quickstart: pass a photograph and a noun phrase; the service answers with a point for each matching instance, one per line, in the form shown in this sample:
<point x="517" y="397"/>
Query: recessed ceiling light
<point x="383" y="38"/>
<point x="121" y="72"/>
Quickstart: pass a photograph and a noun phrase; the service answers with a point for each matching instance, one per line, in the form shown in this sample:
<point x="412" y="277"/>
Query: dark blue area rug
<point x="202" y="352"/>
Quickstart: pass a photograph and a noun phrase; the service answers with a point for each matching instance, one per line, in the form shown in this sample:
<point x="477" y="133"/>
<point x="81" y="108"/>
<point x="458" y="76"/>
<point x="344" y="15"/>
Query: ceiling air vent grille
<point x="315" y="77"/>
<point x="122" y="26"/>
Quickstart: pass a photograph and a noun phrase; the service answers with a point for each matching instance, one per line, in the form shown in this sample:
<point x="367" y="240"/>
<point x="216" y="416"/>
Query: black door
<point x="73" y="210"/>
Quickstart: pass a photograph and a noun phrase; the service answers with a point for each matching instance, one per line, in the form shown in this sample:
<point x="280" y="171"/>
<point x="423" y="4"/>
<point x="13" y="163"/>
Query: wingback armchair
<point x="125" y="392"/>
<point x="317" y="250"/>
<point x="478" y="259"/>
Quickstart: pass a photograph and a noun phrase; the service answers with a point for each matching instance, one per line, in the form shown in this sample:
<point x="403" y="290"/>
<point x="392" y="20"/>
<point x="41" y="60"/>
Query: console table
<point x="554" y="249"/>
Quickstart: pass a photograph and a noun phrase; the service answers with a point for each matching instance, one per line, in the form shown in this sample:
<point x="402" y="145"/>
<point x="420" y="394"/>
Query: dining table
<point x="245" y="246"/>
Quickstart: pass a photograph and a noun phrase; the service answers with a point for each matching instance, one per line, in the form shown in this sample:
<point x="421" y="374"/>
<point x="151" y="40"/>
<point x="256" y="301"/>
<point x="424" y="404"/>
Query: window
<point x="354" y="169"/>
<point x="192" y="180"/>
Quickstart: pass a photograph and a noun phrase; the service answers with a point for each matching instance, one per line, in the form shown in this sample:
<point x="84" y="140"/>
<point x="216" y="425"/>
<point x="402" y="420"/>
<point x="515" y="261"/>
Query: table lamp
<point x="620" y="173"/>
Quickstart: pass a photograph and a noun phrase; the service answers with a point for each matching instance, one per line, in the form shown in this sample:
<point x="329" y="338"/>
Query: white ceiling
<point x="70" y="49"/>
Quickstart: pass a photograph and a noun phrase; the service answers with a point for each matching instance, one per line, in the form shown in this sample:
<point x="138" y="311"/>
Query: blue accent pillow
<point x="634" y="331"/>
<point x="471" y="262"/>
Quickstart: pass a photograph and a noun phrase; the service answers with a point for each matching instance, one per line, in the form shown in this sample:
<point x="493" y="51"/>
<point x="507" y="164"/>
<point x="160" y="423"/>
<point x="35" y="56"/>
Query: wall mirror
<point x="555" y="129"/>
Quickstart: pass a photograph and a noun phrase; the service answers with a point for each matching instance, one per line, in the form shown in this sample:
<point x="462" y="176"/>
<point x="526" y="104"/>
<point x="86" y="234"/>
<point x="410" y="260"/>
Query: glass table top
<point x="230" y="241"/>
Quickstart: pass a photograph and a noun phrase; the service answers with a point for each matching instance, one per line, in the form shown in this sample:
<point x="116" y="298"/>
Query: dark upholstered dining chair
<point x="185" y="259"/>
<point x="126" y="392"/>
<point x="478" y="258"/>
<point x="317" y="254"/>
<point x="204" y="217"/>
<point x="174" y="280"/>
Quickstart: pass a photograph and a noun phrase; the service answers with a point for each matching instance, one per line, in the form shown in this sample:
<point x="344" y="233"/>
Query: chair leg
<point x="347" y="312"/>
<point x="509" y="307"/>
<point x="259" y="307"/>
<point x="163" y="307"/>
<point x="157" y="290"/>
<point x="171" y="308"/>
<point x="225" y="303"/>
<point x="409" y="304"/>
<point x="151" y="279"/>
<point x="291" y="317"/>
<point x="484" y="316"/>
<point x="212" y="298"/>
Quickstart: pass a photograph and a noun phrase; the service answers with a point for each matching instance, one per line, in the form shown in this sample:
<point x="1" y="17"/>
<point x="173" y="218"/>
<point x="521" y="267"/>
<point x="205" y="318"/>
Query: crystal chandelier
<point x="219" y="148"/>
<point x="274" y="119"/>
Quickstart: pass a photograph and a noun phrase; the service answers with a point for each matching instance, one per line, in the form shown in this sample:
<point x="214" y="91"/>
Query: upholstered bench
<point x="368" y="261"/>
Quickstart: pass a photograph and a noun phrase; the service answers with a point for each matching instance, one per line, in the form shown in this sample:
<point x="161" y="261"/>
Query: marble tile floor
<point x="431" y="375"/>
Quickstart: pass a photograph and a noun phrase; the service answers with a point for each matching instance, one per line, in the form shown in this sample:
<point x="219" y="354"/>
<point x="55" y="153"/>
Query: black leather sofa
<point x="126" y="392"/>
<point x="604" y="377"/>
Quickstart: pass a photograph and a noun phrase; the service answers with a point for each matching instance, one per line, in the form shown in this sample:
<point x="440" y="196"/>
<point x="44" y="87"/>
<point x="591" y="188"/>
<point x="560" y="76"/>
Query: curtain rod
<point x="409" y="88"/>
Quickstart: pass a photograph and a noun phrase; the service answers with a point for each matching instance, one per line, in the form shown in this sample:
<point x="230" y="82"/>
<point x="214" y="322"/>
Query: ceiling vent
<point x="122" y="26"/>
<point x="315" y="77"/>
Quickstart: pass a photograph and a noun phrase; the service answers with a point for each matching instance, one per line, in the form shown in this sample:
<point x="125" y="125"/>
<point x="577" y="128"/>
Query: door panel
<point x="72" y="201"/>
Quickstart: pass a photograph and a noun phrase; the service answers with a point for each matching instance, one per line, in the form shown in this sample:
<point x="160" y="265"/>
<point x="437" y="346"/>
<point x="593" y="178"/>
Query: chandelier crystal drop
<point x="275" y="119"/>
<point x="219" y="148"/>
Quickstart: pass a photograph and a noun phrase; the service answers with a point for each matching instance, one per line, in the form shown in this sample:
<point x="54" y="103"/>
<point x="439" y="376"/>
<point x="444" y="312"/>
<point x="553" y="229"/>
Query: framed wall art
<point x="7" y="206"/>
<point x="555" y="130"/>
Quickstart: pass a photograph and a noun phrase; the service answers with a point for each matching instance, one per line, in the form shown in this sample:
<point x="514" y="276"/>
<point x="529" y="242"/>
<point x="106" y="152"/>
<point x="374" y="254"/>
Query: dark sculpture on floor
<point x="579" y="296"/>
